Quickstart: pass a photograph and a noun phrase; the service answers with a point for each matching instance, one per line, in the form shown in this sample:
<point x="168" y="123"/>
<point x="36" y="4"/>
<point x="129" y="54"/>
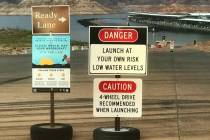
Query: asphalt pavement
<point x="176" y="98"/>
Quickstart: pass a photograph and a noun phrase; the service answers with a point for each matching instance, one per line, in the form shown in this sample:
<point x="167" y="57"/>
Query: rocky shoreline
<point x="5" y="51"/>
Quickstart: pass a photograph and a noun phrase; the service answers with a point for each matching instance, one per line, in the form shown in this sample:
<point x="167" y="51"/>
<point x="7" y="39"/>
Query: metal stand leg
<point x="52" y="109"/>
<point x="117" y="119"/>
<point x="117" y="123"/>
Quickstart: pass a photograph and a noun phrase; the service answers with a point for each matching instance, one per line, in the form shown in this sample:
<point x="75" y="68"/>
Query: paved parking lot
<point x="176" y="98"/>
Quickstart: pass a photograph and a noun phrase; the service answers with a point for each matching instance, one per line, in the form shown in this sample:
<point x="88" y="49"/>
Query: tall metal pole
<point x="52" y="109"/>
<point x="117" y="119"/>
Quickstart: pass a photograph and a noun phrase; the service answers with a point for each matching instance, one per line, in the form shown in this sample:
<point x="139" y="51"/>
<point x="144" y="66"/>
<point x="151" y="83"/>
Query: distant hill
<point x="168" y="6"/>
<point x="154" y="2"/>
<point x="23" y="7"/>
<point x="112" y="2"/>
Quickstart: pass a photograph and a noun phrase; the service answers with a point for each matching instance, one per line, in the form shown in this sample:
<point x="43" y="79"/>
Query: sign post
<point x="117" y="97"/>
<point x="117" y="123"/>
<point x="51" y="64"/>
<point x="118" y="50"/>
<point x="117" y="119"/>
<point x="52" y="109"/>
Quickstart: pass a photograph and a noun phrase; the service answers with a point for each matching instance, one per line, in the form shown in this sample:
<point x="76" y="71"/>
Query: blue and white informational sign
<point x="51" y="63"/>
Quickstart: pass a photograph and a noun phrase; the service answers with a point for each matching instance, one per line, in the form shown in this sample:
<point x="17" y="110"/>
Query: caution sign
<point x="117" y="97"/>
<point x="50" y="19"/>
<point x="118" y="50"/>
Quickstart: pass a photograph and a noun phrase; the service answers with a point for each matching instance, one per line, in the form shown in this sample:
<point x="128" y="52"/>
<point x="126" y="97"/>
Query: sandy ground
<point x="176" y="99"/>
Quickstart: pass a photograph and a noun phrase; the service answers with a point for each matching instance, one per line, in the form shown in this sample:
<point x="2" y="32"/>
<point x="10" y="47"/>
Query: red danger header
<point x="117" y="86"/>
<point x="118" y="35"/>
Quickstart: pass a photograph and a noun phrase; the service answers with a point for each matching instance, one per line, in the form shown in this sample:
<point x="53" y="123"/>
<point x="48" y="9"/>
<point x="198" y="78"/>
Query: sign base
<point x="45" y="131"/>
<point x="125" y="133"/>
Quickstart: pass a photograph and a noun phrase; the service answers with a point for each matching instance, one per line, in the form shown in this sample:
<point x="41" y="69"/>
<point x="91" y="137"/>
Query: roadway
<point x="14" y="68"/>
<point x="176" y="98"/>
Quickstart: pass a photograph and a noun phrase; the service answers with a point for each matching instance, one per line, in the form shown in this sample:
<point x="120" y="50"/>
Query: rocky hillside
<point x="107" y="2"/>
<point x="154" y="2"/>
<point x="23" y="7"/>
<point x="157" y="5"/>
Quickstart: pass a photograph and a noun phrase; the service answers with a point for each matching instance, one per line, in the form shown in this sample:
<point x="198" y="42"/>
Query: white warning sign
<point x="118" y="50"/>
<point x="117" y="97"/>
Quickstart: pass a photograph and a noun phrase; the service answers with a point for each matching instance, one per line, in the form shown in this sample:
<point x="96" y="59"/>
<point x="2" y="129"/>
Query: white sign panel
<point x="118" y="58"/>
<point x="118" y="50"/>
<point x="117" y="97"/>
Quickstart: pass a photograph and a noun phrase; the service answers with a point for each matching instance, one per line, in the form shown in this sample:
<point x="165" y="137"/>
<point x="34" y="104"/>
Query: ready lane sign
<point x="118" y="50"/>
<point x="50" y="19"/>
<point x="117" y="97"/>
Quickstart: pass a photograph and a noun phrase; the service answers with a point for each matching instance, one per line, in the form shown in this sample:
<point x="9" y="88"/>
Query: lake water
<point x="79" y="32"/>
